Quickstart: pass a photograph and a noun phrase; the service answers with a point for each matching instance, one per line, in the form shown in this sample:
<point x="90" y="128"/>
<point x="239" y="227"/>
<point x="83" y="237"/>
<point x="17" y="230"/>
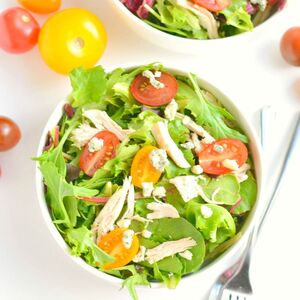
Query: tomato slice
<point x="211" y="157"/>
<point x="90" y="162"/>
<point x="213" y="5"/>
<point x="142" y="169"/>
<point x="144" y="92"/>
<point x="113" y="245"/>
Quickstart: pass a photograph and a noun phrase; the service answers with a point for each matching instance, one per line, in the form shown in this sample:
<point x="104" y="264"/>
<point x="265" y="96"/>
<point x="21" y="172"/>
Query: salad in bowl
<point x="203" y="19"/>
<point x="145" y="175"/>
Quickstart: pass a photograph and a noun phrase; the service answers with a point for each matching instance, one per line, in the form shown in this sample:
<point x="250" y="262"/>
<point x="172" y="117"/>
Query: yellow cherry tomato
<point x="112" y="243"/>
<point x="72" y="38"/>
<point x="142" y="169"/>
<point x="41" y="6"/>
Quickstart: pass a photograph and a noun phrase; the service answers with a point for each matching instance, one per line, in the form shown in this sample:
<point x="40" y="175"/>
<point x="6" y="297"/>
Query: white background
<point x="252" y="73"/>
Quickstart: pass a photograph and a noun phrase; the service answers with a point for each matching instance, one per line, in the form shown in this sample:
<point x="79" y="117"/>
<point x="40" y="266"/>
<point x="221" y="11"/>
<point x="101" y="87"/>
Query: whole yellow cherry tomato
<point x="41" y="6"/>
<point x="72" y="38"/>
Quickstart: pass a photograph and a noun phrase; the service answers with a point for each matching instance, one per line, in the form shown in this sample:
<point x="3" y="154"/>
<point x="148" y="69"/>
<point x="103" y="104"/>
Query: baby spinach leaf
<point x="248" y="196"/>
<point x="168" y="229"/>
<point x="225" y="188"/>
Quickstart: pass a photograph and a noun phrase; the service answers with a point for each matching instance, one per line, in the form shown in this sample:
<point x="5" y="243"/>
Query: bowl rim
<point x="256" y="150"/>
<point x="191" y="41"/>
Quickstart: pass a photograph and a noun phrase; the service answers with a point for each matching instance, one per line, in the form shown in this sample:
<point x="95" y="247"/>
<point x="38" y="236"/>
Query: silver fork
<point x="234" y="283"/>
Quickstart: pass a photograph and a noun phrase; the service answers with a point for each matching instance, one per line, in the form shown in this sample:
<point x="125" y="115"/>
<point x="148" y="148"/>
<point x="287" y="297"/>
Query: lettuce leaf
<point x="142" y="126"/>
<point x="172" y="18"/>
<point x="213" y="118"/>
<point x="61" y="195"/>
<point x="120" y="165"/>
<point x="82" y="245"/>
<point x="237" y="18"/>
<point x="178" y="132"/>
<point x="136" y="278"/>
<point x="217" y="228"/>
<point x="89" y="85"/>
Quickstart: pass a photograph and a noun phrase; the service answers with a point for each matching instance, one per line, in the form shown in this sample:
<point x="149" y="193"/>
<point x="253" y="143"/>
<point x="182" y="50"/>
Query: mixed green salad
<point x="204" y="19"/>
<point x="147" y="176"/>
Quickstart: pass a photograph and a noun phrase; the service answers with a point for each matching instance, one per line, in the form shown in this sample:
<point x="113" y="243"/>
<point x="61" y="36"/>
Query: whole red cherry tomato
<point x="290" y="46"/>
<point x="19" y="31"/>
<point x="9" y="133"/>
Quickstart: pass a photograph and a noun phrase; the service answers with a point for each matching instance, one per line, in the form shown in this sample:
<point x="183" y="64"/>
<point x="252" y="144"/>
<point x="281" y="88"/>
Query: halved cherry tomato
<point x="113" y="245"/>
<point x="290" y="46"/>
<point x="147" y="94"/>
<point x="142" y="169"/>
<point x="72" y="38"/>
<point x="212" y="156"/>
<point x="19" y="30"/>
<point x="213" y="5"/>
<point x="9" y="133"/>
<point x="90" y="162"/>
<point x="41" y="6"/>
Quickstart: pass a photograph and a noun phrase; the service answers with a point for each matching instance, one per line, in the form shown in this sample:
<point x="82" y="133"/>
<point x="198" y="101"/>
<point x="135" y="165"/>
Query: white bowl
<point x="207" y="274"/>
<point x="186" y="45"/>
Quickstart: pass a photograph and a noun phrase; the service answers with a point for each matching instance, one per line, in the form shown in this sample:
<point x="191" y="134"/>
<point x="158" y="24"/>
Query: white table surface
<point x="33" y="267"/>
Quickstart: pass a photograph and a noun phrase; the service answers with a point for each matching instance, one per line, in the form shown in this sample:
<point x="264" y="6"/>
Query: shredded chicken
<point x="125" y="220"/>
<point x="161" y="210"/>
<point x="105" y="220"/>
<point x="197" y="143"/>
<point x="140" y="219"/>
<point x="102" y="120"/>
<point x="206" y="18"/>
<point x="191" y="125"/>
<point x="168" y="249"/>
<point x="83" y="134"/>
<point x="164" y="140"/>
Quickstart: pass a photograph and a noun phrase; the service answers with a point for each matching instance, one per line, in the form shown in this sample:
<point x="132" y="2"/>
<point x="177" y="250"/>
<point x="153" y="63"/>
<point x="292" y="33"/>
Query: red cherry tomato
<point x="19" y="31"/>
<point x="212" y="156"/>
<point x="290" y="46"/>
<point x="9" y="133"/>
<point x="147" y="94"/>
<point x="213" y="5"/>
<point x="90" y="162"/>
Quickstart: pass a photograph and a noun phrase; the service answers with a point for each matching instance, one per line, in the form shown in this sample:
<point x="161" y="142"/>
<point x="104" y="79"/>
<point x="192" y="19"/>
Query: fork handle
<point x="287" y="160"/>
<point x="244" y="261"/>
